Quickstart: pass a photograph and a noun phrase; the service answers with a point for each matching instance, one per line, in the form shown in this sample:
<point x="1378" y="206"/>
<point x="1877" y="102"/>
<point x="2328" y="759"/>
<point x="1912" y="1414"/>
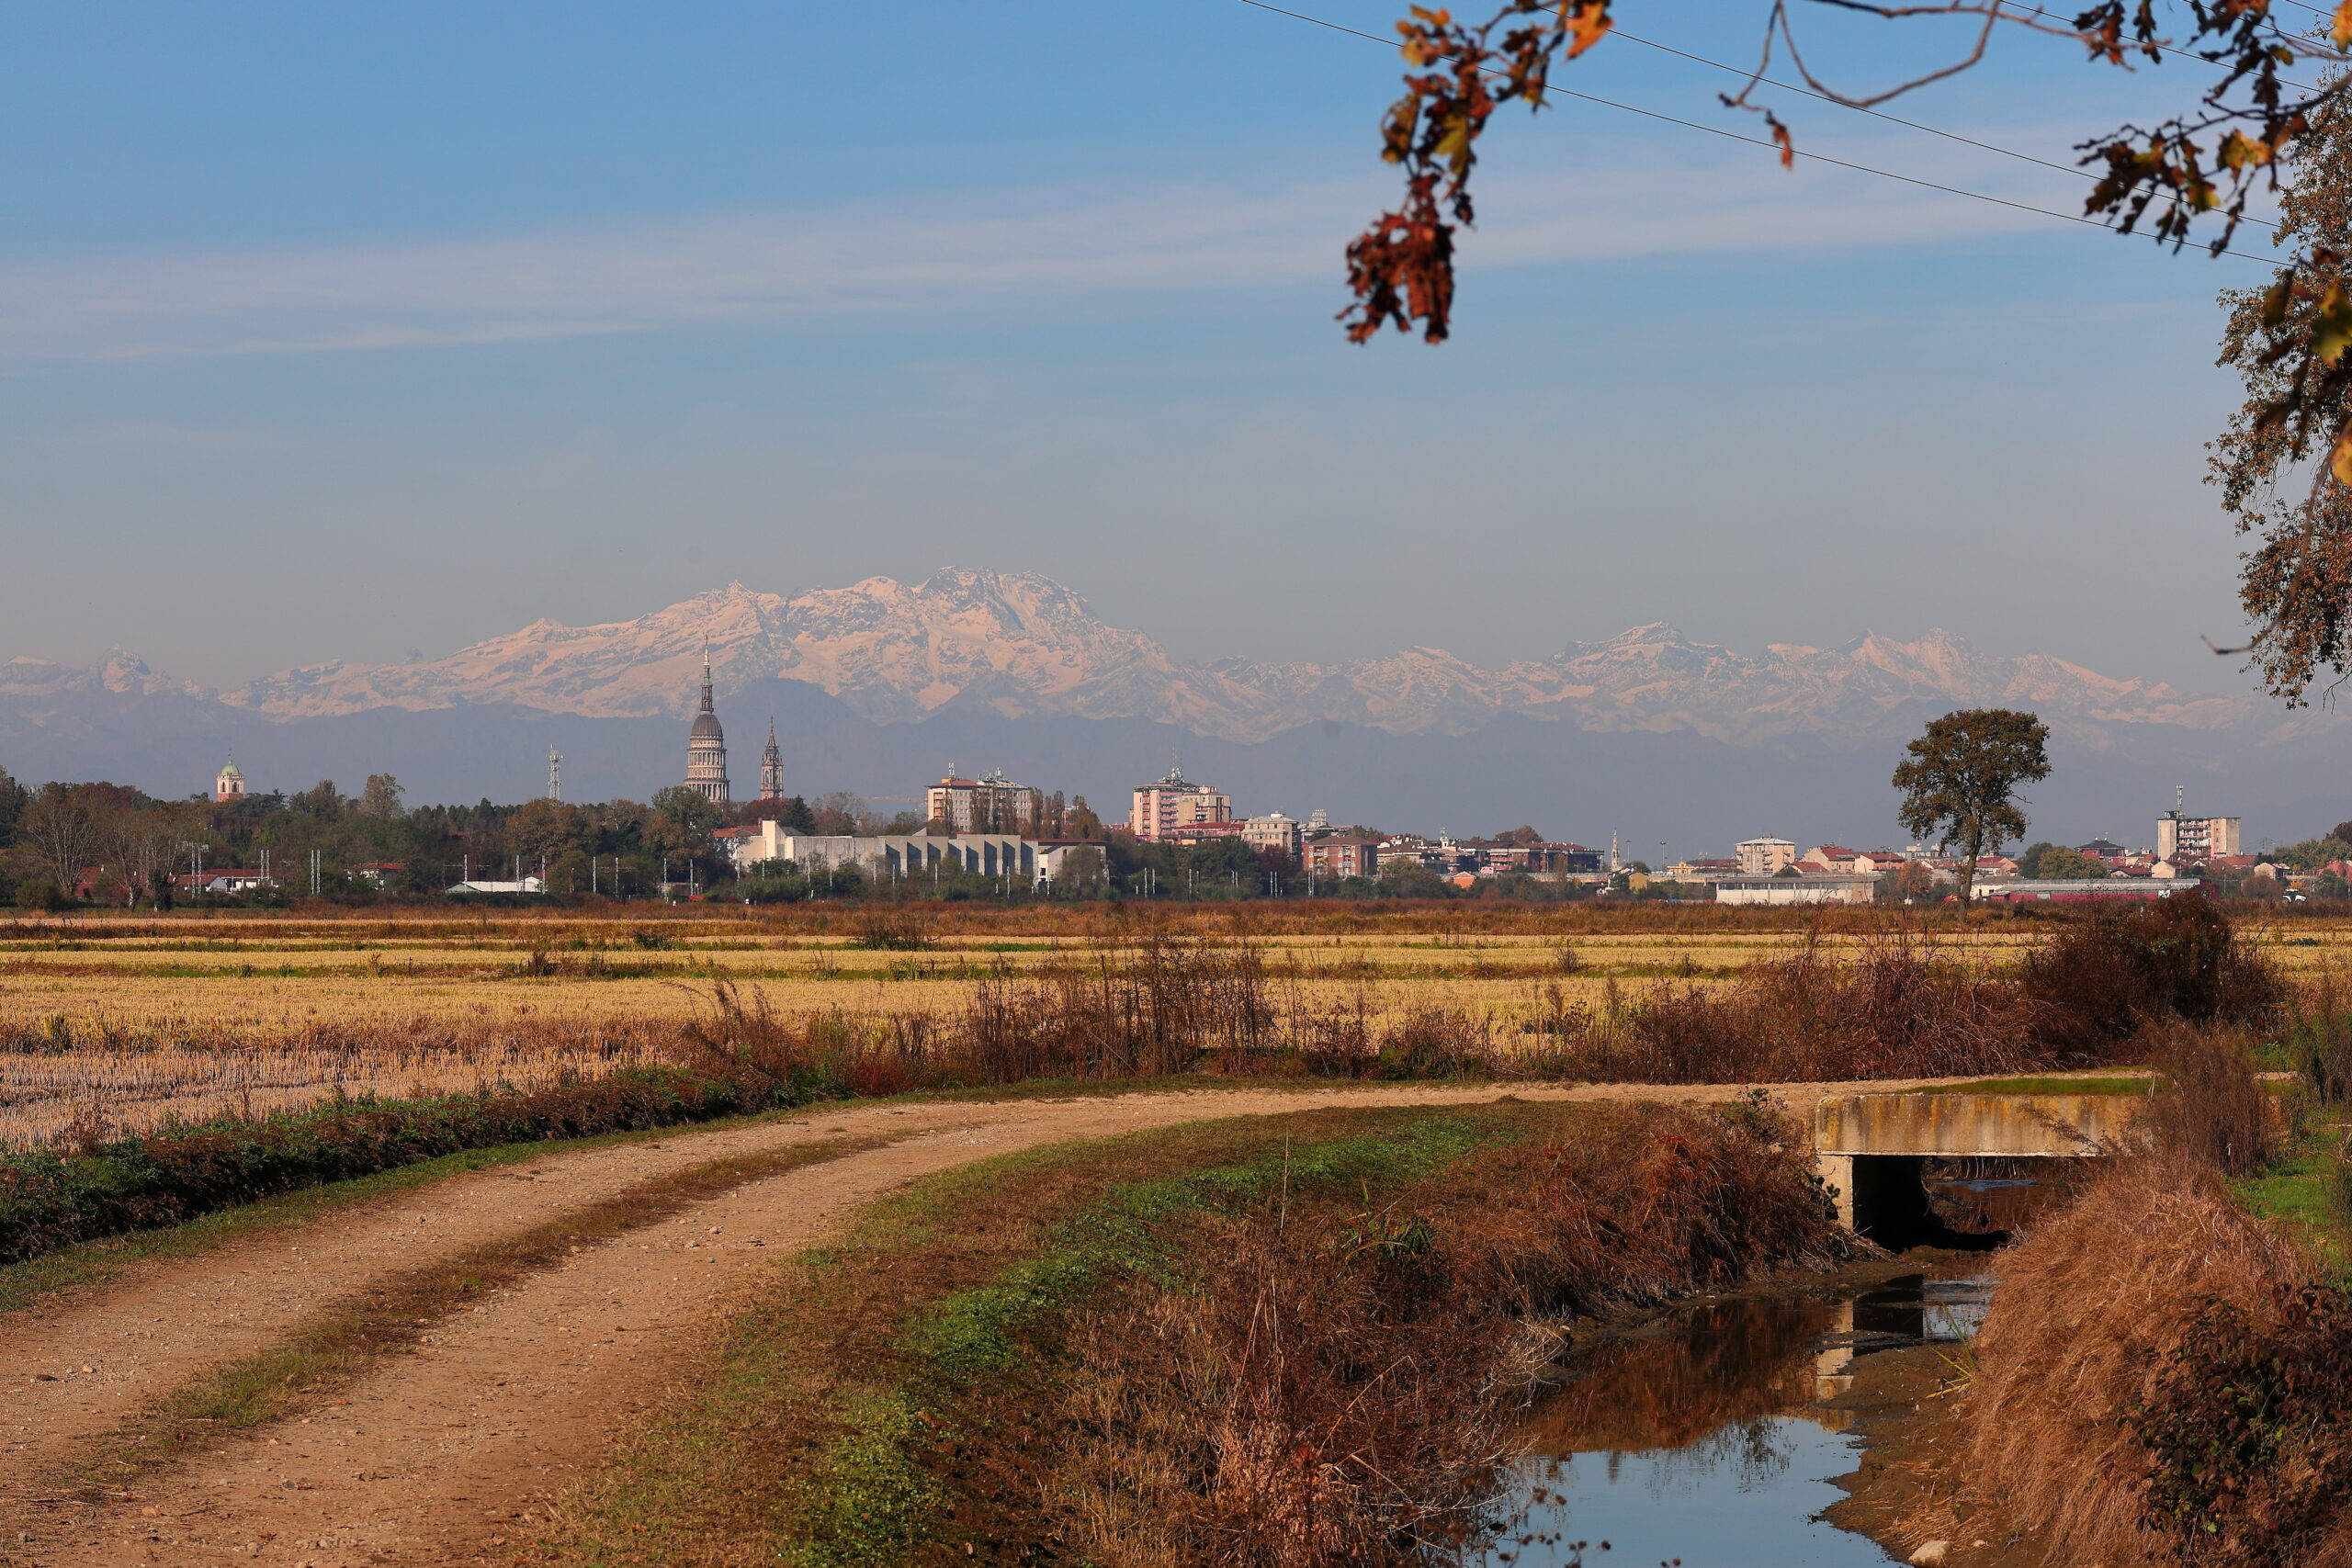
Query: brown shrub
<point x="2093" y="1306"/>
<point x="1168" y="1006"/>
<point x="1900" y="1011"/>
<point x="2248" y="1443"/>
<point x="2103" y="979"/>
<point x="2211" y="1109"/>
<point x="2318" y="1031"/>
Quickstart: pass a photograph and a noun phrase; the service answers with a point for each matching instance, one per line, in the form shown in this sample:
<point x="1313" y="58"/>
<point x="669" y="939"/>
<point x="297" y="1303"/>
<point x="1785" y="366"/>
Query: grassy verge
<point x="1063" y="1353"/>
<point x="2297" y="1193"/>
<point x="2046" y="1084"/>
<point x="394" y="1312"/>
<point x="50" y="1198"/>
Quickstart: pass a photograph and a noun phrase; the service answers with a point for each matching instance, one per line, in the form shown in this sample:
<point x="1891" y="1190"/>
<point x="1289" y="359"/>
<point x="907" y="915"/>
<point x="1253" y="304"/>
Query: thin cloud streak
<point x="917" y="252"/>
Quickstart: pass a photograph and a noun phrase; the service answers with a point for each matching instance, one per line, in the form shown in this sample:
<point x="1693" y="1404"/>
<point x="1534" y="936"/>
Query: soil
<point x="1909" y="1489"/>
<point x="446" y="1454"/>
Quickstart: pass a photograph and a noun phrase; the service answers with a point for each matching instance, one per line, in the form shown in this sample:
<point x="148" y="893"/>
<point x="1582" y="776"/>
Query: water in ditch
<point x="1705" y="1440"/>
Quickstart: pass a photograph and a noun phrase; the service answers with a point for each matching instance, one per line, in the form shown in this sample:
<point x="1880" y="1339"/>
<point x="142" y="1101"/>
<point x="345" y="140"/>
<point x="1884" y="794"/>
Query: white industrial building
<point x="1831" y="889"/>
<point x="888" y="856"/>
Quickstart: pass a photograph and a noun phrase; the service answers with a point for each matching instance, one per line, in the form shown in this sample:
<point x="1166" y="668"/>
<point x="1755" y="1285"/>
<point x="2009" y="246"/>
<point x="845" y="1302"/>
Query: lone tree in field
<point x="1960" y="781"/>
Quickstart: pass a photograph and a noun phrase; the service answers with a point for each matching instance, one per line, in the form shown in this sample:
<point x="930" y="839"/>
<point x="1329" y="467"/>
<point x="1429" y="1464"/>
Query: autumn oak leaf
<point x="1589" y="22"/>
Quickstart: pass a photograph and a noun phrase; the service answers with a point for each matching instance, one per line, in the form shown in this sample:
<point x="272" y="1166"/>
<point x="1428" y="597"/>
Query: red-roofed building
<point x="1830" y="857"/>
<point x="1343" y="857"/>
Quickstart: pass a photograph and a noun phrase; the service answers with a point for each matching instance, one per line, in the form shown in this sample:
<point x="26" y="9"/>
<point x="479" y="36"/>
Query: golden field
<point x="121" y="1021"/>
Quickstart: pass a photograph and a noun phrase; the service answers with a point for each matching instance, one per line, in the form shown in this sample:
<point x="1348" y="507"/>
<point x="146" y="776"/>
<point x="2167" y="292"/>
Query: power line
<point x="1881" y="114"/>
<point x="1772" y="146"/>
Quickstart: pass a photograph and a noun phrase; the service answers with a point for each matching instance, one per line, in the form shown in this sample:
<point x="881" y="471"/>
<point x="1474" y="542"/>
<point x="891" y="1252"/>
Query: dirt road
<point x="441" y="1456"/>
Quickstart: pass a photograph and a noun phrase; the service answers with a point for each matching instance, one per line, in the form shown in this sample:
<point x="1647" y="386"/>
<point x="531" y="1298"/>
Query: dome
<point x="707" y="727"/>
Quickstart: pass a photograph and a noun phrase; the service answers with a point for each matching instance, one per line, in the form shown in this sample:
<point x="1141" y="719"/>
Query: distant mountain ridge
<point x="879" y="686"/>
<point x="1022" y="646"/>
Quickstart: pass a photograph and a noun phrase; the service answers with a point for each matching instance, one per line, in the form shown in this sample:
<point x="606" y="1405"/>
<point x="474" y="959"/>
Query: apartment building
<point x="990" y="803"/>
<point x="1765" y="857"/>
<point x="1175" y="802"/>
<point x="1343" y="857"/>
<point x="2192" y="841"/>
<point x="1274" y="831"/>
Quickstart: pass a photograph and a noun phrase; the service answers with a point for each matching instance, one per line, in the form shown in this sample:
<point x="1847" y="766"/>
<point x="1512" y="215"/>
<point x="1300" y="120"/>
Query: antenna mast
<point x="555" y="774"/>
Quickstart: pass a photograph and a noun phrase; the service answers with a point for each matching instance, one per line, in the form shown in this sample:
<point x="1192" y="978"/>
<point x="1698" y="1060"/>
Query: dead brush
<point x="2210" y="1107"/>
<point x="1900" y="1009"/>
<point x="2318" y="1034"/>
<point x="2095" y="1306"/>
<point x="2103" y="979"/>
<point x="895" y="928"/>
<point x="1334" y="1380"/>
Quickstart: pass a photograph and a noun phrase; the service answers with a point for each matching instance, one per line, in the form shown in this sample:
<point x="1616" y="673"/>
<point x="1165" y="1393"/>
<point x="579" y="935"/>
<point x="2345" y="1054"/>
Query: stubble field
<point x="119" y="1023"/>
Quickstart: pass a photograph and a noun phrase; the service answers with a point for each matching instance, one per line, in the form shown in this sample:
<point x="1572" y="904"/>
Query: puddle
<point x="1704" y="1438"/>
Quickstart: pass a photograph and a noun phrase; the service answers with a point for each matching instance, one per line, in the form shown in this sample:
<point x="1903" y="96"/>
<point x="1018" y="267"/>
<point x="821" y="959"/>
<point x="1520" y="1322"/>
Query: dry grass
<point x="1331" y="1380"/>
<point x="129" y="1022"/>
<point x="78" y="1086"/>
<point x="2079" y="1336"/>
<point x="2213" y="1109"/>
<point x="1900" y="1008"/>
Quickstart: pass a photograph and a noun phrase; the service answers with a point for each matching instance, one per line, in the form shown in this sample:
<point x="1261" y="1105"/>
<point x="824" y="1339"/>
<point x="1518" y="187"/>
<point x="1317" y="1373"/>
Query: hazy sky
<point x="346" y="330"/>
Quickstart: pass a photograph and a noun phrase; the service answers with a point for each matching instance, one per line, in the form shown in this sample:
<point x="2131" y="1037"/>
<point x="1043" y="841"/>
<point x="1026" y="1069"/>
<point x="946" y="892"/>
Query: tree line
<point x="66" y="843"/>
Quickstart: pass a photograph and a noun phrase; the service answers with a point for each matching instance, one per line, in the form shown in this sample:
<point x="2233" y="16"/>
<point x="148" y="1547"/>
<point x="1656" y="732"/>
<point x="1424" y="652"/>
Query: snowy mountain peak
<point x="1025" y="645"/>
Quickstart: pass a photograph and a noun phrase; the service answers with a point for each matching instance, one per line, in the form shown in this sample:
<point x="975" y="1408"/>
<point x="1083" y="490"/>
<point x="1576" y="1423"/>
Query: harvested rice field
<point x="121" y="1022"/>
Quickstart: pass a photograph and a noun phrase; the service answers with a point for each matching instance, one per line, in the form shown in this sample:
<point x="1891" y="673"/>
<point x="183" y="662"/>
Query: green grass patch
<point x="2298" y="1195"/>
<point x="2049" y="1084"/>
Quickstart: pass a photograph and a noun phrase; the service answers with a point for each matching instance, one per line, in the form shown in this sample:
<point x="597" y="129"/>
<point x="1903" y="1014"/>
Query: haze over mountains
<point x="880" y="685"/>
<point x="1024" y="646"/>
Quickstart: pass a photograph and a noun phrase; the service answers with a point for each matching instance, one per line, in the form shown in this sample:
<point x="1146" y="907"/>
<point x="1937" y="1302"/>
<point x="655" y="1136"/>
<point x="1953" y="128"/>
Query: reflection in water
<point x="1702" y="1438"/>
<point x="1990" y="1195"/>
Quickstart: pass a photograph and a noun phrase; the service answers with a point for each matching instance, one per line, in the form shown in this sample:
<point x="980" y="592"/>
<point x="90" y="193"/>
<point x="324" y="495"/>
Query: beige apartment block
<point x="1174" y="802"/>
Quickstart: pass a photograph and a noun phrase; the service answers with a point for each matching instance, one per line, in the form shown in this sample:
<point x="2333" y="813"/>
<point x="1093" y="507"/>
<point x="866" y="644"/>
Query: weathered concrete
<point x="1854" y="1134"/>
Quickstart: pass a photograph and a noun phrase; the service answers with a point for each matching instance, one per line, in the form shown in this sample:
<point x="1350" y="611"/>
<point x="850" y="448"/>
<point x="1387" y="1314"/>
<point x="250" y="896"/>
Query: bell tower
<point x="706" y="747"/>
<point x="772" y="767"/>
<point x="230" y="785"/>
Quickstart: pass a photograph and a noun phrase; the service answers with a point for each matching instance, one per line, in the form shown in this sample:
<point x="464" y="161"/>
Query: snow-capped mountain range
<point x="1022" y="646"/>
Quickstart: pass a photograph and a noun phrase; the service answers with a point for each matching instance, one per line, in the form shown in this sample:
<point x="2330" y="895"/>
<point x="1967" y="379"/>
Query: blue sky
<point x="340" y="331"/>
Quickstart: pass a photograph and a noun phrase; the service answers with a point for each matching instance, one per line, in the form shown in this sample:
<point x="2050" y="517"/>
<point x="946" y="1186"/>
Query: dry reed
<point x="1332" y="1381"/>
<point x="2076" y="1337"/>
<point x="1902" y="1009"/>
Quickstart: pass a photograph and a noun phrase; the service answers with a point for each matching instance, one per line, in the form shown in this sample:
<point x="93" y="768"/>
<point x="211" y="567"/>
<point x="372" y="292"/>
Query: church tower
<point x="706" y="747"/>
<point x="230" y="785"/>
<point x="771" y="768"/>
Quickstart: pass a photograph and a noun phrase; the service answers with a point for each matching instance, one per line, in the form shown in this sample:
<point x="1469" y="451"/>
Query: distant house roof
<point x="1834" y="851"/>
